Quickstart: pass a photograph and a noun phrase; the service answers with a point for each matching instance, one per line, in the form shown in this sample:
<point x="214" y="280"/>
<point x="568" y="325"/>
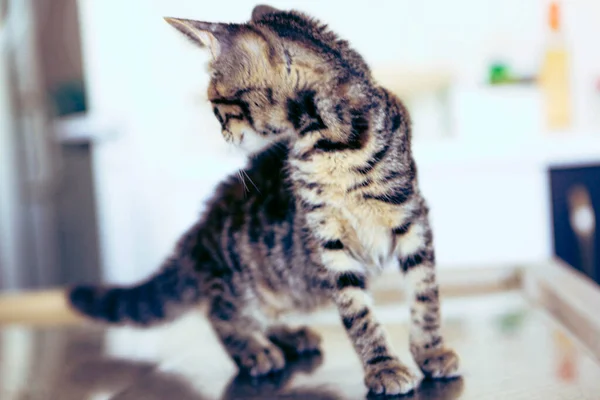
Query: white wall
<point x="152" y="179"/>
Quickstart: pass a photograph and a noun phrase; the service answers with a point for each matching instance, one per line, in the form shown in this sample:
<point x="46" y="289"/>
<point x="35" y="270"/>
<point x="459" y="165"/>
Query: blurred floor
<point x="509" y="350"/>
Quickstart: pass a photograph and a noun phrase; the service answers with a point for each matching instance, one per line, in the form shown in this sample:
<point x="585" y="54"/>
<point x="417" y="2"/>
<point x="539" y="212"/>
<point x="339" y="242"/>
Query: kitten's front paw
<point x="439" y="363"/>
<point x="261" y="361"/>
<point x="295" y="342"/>
<point x="390" y="378"/>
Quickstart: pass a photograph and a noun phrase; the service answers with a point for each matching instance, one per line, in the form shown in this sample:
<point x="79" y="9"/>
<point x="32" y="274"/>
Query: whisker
<point x="278" y="146"/>
<point x="243" y="181"/>
<point x="281" y="146"/>
<point x="276" y="150"/>
<point x="252" y="182"/>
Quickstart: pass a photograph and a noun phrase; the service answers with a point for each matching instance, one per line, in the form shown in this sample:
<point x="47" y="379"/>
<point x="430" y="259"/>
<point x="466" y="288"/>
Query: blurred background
<point x="108" y="148"/>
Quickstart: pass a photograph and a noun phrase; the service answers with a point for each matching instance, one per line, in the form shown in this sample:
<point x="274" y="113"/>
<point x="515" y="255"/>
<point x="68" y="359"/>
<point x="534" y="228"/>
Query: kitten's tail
<point x="161" y="298"/>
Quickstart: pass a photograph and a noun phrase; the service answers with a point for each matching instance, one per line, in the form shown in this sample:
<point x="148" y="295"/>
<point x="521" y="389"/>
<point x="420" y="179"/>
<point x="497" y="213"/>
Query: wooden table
<point x="523" y="333"/>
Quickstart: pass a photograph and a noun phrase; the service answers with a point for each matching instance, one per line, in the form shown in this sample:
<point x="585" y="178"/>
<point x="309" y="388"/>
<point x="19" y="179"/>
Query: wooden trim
<point x="37" y="308"/>
<point x="51" y="306"/>
<point x="454" y="282"/>
<point x="571" y="298"/>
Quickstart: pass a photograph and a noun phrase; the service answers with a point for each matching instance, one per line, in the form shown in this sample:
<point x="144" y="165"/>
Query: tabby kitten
<point x="336" y="197"/>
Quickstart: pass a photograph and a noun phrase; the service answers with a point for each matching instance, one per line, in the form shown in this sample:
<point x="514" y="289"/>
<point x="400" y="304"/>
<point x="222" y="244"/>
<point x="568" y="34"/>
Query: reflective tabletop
<point x="509" y="350"/>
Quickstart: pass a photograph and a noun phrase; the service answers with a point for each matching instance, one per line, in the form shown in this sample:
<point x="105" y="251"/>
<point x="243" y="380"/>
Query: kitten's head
<point x="265" y="74"/>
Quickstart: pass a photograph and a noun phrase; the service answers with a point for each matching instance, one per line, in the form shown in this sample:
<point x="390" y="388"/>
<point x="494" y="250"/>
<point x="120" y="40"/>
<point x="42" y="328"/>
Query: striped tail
<point x="161" y="298"/>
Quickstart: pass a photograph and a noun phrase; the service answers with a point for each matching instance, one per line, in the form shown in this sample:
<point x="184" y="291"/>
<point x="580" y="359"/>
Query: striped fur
<point x="335" y="196"/>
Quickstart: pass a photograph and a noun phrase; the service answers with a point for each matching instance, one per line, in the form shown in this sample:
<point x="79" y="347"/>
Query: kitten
<point x="336" y="197"/>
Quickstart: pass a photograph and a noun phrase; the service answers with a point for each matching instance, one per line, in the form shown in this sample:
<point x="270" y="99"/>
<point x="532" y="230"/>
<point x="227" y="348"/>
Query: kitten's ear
<point x="262" y="10"/>
<point x="206" y="34"/>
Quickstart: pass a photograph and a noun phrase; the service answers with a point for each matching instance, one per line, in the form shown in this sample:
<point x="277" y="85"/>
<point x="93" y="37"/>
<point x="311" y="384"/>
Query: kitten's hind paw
<point x="390" y="379"/>
<point x="261" y="361"/>
<point x="296" y="342"/>
<point x="439" y="363"/>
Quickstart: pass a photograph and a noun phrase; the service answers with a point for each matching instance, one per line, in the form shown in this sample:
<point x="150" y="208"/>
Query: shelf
<point x="560" y="149"/>
<point x="83" y="128"/>
<point x="545" y="151"/>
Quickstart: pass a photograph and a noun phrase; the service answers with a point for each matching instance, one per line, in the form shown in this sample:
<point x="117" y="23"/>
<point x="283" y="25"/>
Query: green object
<point x="499" y="73"/>
<point x="511" y="322"/>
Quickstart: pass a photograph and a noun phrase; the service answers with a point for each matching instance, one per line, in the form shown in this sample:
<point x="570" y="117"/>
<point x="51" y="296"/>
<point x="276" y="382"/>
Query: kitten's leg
<point x="384" y="373"/>
<point x="295" y="341"/>
<point x="417" y="261"/>
<point x="242" y="333"/>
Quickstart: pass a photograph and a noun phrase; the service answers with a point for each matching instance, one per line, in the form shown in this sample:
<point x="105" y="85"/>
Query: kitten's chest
<point x="365" y="225"/>
<point x="366" y="235"/>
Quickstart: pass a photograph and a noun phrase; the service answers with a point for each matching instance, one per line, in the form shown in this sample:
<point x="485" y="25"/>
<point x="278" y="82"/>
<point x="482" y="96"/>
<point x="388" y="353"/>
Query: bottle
<point x="554" y="75"/>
